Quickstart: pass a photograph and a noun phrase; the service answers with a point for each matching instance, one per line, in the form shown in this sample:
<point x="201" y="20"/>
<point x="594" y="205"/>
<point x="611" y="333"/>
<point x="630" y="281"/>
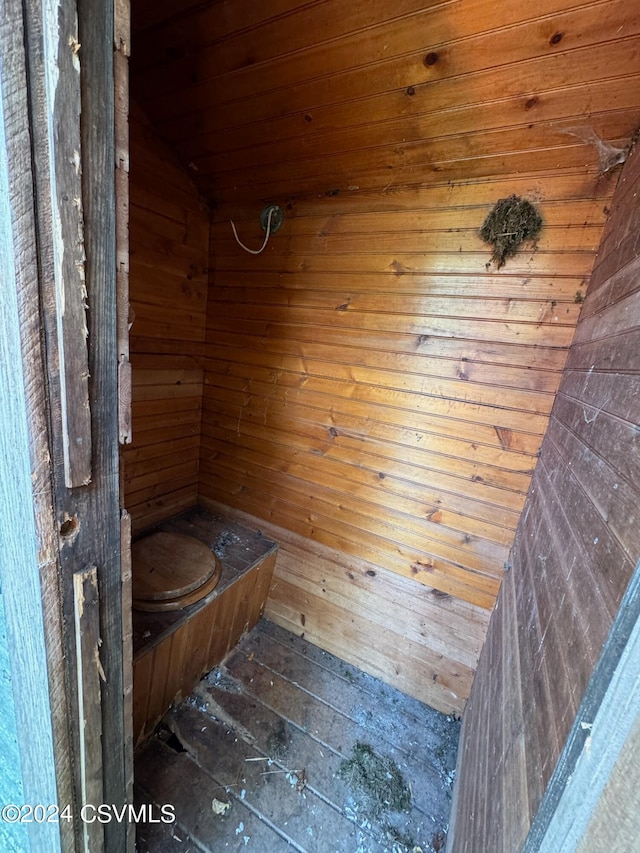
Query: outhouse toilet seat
<point x="172" y="571"/>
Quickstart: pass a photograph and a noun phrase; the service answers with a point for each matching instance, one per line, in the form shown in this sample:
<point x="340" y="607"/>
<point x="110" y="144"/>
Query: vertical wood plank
<point x="62" y="58"/>
<point x="177" y="662"/>
<point x="102" y="525"/>
<point x="220" y="621"/>
<point x="121" y="112"/>
<point x="89" y="669"/>
<point x="198" y="644"/>
<point x="514" y="754"/>
<point x="127" y="664"/>
<point x="142" y="671"/>
<point x="263" y="579"/>
<point x="223" y="618"/>
<point x="122" y="29"/>
<point x="158" y="684"/>
<point x="237" y="612"/>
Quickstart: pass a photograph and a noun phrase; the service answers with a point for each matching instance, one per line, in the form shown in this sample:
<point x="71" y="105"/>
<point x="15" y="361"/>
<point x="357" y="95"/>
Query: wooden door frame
<point x="60" y="531"/>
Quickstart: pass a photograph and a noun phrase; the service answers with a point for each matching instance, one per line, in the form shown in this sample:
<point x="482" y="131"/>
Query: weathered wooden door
<point x="62" y="571"/>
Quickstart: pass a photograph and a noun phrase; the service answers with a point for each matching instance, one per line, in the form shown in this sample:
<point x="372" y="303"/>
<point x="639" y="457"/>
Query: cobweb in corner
<point x="608" y="155"/>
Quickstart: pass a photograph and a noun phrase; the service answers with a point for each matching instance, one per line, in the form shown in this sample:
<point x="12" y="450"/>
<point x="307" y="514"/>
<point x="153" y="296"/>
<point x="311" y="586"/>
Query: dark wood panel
<point x="390" y="127"/>
<point x="610" y="493"/>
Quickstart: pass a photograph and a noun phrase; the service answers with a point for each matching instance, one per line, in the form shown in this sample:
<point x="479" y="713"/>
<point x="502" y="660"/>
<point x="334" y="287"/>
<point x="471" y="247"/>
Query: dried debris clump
<point x="512" y="221"/>
<point x="278" y="741"/>
<point x="378" y="785"/>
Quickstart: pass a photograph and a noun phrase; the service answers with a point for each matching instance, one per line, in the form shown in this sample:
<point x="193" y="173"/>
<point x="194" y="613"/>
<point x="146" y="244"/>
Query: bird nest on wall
<point x="512" y="221"/>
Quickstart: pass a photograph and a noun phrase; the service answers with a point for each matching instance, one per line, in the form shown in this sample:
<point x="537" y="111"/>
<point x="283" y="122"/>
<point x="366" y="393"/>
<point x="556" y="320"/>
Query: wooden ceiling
<point x="289" y="98"/>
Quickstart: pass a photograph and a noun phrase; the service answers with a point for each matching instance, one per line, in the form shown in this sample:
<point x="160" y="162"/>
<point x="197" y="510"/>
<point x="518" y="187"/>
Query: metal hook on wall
<point x="271" y="219"/>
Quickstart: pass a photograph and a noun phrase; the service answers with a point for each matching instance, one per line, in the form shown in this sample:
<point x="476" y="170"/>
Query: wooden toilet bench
<point x="174" y="649"/>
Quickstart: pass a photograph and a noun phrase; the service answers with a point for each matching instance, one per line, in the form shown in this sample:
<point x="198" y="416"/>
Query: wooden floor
<point x="262" y="739"/>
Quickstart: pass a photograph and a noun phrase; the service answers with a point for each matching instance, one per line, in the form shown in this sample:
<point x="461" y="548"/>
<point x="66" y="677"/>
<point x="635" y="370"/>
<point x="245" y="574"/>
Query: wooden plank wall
<point x="371" y="385"/>
<point x="371" y="617"/>
<point x="574" y="553"/>
<point x="169" y="240"/>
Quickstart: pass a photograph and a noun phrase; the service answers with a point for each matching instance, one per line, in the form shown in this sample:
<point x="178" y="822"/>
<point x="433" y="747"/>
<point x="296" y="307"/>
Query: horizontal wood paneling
<point x="372" y="383"/>
<point x="372" y="617"/>
<point x="315" y="98"/>
<point x="575" y="550"/>
<point x="387" y="404"/>
<point x="169" y="237"/>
